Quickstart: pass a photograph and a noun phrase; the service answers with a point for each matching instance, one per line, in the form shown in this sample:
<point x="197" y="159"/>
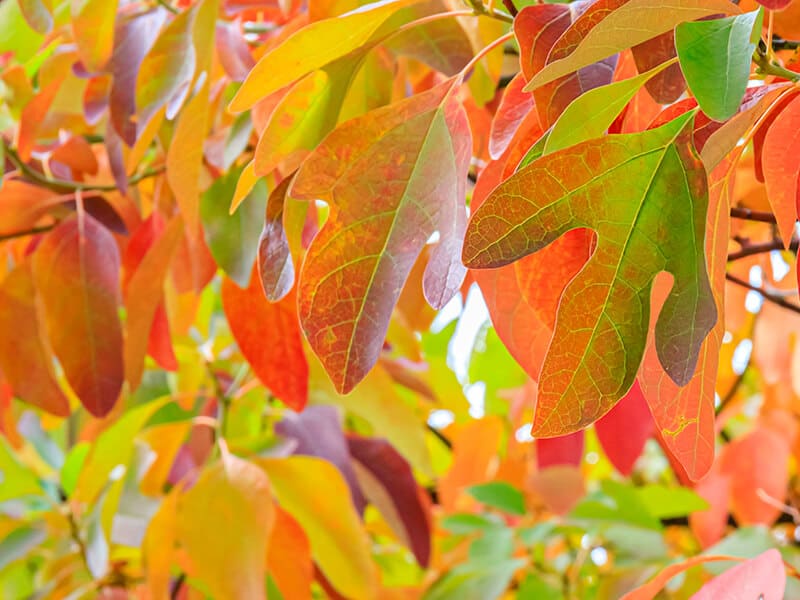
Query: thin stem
<point x="59" y="185"/>
<point x="753" y="249"/>
<point x="26" y="232"/>
<point x="509" y="4"/>
<point x="781" y="44"/>
<point x="75" y="534"/>
<point x="767" y="67"/>
<point x="440" y="436"/>
<point x="168" y="6"/>
<point x="767" y="296"/>
<point x="752" y="215"/>
<point x="770" y="31"/>
<point x="484" y="51"/>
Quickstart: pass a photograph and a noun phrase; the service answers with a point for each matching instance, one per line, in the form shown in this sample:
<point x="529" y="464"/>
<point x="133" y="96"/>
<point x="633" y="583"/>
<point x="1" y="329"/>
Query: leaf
<point x="756" y="463"/>
<point x="500" y="495"/>
<point x="667" y="86"/>
<point x="166" y="71"/>
<point x="18" y="543"/>
<point x="275" y="265"/>
<point x="411" y="158"/>
<point x="185" y="159"/>
<point x="289" y="557"/>
<point x="631" y="23"/>
<point x="651" y="589"/>
<point x="38" y="14"/>
<point x="780" y="171"/>
<point x="624" y="429"/>
<point x="339" y="544"/>
<point x="233" y="238"/>
<point x="224" y="524"/>
<point x="592" y="113"/>
<point x="561" y="450"/>
<point x="16" y="479"/>
<point x="133" y="38"/>
<point x="718" y="79"/>
<point x="93" y="30"/>
<point x="760" y="577"/>
<point x="311" y="48"/>
<point x="566" y="190"/>
<point x="669" y="502"/>
<point x="269" y="338"/>
<point x="25" y="359"/>
<point x="389" y="484"/>
<point x="515" y="106"/>
<point x="475" y="580"/>
<point x="79" y="259"/>
<point x="23" y="204"/>
<point x="317" y="431"/>
<point x="143" y="296"/>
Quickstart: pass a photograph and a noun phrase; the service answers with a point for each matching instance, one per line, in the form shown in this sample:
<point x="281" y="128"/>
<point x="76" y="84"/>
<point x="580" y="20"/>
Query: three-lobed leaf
<point x="655" y="222"/>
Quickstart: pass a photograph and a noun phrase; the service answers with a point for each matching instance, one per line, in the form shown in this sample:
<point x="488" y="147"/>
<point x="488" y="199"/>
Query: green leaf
<point x="590" y="114"/>
<point x="19" y="542"/>
<point x="492" y="363"/>
<point x="715" y="58"/>
<point x="500" y="495"/>
<point x="533" y="587"/>
<point x="667" y="502"/>
<point x="73" y="465"/>
<point x="653" y="222"/>
<point x="615" y="503"/>
<point x="467" y="523"/>
<point x="471" y="581"/>
<point x="16" y="480"/>
<point x="233" y="239"/>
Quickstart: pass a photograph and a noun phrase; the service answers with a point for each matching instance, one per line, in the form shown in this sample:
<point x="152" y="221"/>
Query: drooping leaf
<point x="605" y="309"/>
<point x="561" y="450"/>
<point x="666" y="87"/>
<point x="624" y="429"/>
<point x="143" y="296"/>
<point x="718" y="79"/>
<point x="224" y="524"/>
<point x="80" y="258"/>
<point x="289" y="557"/>
<point x="269" y="337"/>
<point x="411" y="159"/>
<point x="339" y="543"/>
<point x="275" y="265"/>
<point x="311" y="48"/>
<point x="233" y="239"/>
<point x="185" y="158"/>
<point x="623" y="25"/>
<point x="24" y="358"/>
<point x="389" y="484"/>
<point x="760" y="577"/>
<point x="780" y="171"/>
<point x="93" y="28"/>
<point x="166" y="71"/>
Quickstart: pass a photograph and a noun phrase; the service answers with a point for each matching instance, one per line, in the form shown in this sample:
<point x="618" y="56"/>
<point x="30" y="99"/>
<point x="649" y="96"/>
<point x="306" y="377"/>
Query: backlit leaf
<point x="80" y="258"/>
<point x="667" y="86"/>
<point x="224" y="524"/>
<point x="289" y="557"/>
<point x="411" y="158"/>
<point x="605" y="309"/>
<point x="780" y="171"/>
<point x="93" y="28"/>
<point x="339" y="544"/>
<point x="632" y="23"/>
<point x="500" y="495"/>
<point x="624" y="429"/>
<point x="275" y="265"/>
<point x="761" y="577"/>
<point x="718" y="79"/>
<point x="38" y="14"/>
<point x="651" y="589"/>
<point x="269" y="337"/>
<point x="24" y="358"/>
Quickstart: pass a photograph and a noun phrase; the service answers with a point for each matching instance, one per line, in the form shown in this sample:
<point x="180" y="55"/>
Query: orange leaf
<point x="649" y="590"/>
<point x="79" y="260"/>
<point x="289" y="557"/>
<point x="23" y="204"/>
<point x="93" y="29"/>
<point x="24" y="357"/>
<point x="762" y="577"/>
<point x="781" y="170"/>
<point x="269" y="338"/>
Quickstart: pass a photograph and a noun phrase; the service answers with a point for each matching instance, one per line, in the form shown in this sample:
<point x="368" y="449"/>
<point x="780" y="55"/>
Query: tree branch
<point x="509" y="4"/>
<point x="767" y="296"/>
<point x="753" y="249"/>
<point x="752" y="215"/>
<point x="26" y="232"/>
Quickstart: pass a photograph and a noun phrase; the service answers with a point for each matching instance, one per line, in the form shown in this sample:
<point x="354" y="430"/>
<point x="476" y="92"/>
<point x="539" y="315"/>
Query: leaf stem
<point x="168" y="6"/>
<point x="783" y="303"/>
<point x="766" y="66"/>
<point x="26" y="232"/>
<point x="484" y="51"/>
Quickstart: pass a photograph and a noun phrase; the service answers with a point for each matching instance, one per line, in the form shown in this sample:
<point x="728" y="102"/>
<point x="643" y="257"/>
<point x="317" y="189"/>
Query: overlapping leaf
<point x="656" y="222"/>
<point x="410" y="159"/>
<point x="781" y="172"/>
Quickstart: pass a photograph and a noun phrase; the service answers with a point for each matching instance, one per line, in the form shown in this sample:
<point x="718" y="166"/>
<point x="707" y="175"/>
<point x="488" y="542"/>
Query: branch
<point x="168" y="6"/>
<point x="26" y="232"/>
<point x="781" y="44"/>
<point x="753" y="249"/>
<point x="752" y="215"/>
<point x="509" y="4"/>
<point x="61" y="185"/>
<point x="767" y="296"/>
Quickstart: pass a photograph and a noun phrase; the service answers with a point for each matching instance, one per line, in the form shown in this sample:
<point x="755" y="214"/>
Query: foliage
<point x="410" y="299"/>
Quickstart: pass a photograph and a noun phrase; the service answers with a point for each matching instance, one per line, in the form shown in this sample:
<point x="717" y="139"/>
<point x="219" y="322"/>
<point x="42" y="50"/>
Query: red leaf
<point x="269" y="338"/>
<point x="624" y="430"/>
<point x="515" y="107"/>
<point x="562" y="450"/>
<point x="389" y="484"/>
<point x="666" y="87"/>
<point x="774" y="4"/>
<point x="782" y="146"/>
<point x="76" y="270"/>
<point x="762" y="577"/>
<point x="24" y="358"/>
<point x="275" y="264"/>
<point x="709" y="525"/>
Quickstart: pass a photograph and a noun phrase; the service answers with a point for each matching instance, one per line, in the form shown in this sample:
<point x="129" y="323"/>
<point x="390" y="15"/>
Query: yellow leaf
<point x="159" y="547"/>
<point x="224" y="523"/>
<point x="339" y="543"/>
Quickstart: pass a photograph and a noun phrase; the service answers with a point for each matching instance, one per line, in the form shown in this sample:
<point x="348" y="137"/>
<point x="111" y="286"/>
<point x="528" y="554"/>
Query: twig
<point x="781" y="44"/>
<point x="753" y="249"/>
<point x="509" y="4"/>
<point x="75" y="534"/>
<point x="752" y="215"/>
<point x="176" y="587"/>
<point x="26" y="232"/>
<point x="442" y="438"/>
<point x="767" y="295"/>
<point x="168" y="6"/>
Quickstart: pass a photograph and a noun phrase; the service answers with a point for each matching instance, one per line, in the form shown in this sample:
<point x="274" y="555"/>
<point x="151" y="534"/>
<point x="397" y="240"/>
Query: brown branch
<point x="767" y="296"/>
<point x="753" y="249"/>
<point x="752" y="215"/>
<point x="509" y="4"/>
<point x="26" y="232"/>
